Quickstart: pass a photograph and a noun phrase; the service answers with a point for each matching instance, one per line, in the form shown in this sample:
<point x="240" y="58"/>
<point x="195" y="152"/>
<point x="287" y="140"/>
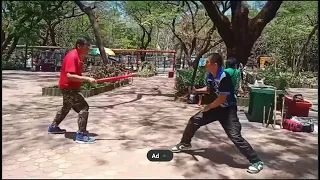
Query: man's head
<point x="214" y="63"/>
<point x="83" y="45"/>
<point x="231" y="63"/>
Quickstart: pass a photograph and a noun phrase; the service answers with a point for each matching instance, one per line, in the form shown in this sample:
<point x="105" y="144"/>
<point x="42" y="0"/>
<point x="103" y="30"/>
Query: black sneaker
<point x="55" y="130"/>
<point x="181" y="147"/>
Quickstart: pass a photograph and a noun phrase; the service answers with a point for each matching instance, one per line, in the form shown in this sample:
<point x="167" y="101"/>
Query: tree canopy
<point x="285" y="30"/>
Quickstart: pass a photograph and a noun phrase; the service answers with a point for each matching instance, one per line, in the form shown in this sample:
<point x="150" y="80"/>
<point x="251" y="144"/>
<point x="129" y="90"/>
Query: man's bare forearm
<point x="76" y="78"/>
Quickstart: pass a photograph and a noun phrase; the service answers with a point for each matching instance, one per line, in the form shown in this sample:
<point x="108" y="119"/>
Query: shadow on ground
<point x="144" y="115"/>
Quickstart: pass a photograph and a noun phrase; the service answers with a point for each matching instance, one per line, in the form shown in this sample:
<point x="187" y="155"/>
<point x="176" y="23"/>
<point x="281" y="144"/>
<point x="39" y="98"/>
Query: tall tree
<point x="241" y="32"/>
<point x="146" y="15"/>
<point x="288" y="38"/>
<point x="95" y="26"/>
<point x="68" y="11"/>
<point x="196" y="33"/>
<point x="20" y="18"/>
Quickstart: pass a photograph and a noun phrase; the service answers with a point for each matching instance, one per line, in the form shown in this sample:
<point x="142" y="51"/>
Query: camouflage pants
<point x="72" y="98"/>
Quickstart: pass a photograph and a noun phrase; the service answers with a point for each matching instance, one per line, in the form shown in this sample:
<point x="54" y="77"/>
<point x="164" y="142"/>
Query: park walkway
<point x="127" y="123"/>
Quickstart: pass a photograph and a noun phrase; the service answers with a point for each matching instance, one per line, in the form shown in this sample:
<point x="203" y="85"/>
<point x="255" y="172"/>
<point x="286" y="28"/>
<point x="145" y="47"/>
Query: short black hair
<point x="231" y="63"/>
<point x="215" y="58"/>
<point x="83" y="41"/>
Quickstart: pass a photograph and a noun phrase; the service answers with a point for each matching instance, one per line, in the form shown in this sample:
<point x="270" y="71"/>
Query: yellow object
<point x="264" y="60"/>
<point x="109" y="52"/>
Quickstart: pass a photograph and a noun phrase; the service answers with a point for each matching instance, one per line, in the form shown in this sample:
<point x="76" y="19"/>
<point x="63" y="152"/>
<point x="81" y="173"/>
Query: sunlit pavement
<point x="127" y="123"/>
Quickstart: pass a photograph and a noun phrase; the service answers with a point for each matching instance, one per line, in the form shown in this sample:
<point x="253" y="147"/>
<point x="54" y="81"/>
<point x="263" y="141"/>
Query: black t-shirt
<point x="222" y="84"/>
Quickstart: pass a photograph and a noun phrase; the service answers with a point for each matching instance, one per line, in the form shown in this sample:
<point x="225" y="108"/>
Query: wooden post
<point x="26" y="56"/>
<point x="164" y="63"/>
<point x="184" y="60"/>
<point x="32" y="58"/>
<point x="174" y="61"/>
<point x="275" y="108"/>
<point x="155" y="62"/>
<point x="130" y="60"/>
<point x="137" y="61"/>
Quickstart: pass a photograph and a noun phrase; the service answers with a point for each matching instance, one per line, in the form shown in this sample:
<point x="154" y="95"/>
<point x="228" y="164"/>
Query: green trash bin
<point x="260" y="98"/>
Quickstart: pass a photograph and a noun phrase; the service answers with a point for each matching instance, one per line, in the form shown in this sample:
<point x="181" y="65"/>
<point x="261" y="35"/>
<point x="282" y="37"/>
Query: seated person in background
<point x="235" y="74"/>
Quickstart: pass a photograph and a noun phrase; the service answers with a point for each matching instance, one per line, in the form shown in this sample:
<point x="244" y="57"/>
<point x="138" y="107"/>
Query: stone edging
<point x="50" y="91"/>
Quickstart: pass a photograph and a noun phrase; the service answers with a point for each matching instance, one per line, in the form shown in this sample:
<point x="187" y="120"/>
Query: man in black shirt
<point x="223" y="109"/>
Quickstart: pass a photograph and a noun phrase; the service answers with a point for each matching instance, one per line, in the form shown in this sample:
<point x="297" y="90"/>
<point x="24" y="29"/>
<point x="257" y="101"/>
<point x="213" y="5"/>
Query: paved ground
<point x="127" y="123"/>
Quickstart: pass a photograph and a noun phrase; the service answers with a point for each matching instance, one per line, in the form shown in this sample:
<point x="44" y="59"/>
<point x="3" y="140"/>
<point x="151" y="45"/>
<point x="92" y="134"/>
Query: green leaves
<point x="285" y="36"/>
<point x="27" y="19"/>
<point x="106" y="70"/>
<point x="283" y="80"/>
<point x="147" y="69"/>
<point x="184" y="77"/>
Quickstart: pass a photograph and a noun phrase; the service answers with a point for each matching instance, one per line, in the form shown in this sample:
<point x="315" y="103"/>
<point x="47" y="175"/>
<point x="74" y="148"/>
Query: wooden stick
<point x="275" y="108"/>
<point x="264" y="116"/>
<point x="269" y="115"/>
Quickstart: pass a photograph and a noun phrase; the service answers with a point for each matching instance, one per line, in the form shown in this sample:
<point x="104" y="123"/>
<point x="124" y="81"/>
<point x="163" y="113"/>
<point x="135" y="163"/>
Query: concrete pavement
<point x="127" y="123"/>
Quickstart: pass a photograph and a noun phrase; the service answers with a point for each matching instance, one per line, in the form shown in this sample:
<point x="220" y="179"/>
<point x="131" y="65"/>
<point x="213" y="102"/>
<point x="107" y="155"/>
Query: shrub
<point x="91" y="86"/>
<point x="284" y="80"/>
<point x="147" y="69"/>
<point x="12" y="65"/>
<point x="184" y="77"/>
<point x="106" y="70"/>
<point x="103" y="71"/>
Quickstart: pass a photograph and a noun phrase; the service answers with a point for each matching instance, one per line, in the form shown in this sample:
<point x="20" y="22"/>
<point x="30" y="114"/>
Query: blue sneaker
<point x="83" y="138"/>
<point x="55" y="130"/>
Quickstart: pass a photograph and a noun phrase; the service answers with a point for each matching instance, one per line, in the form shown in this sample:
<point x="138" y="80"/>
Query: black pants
<point x="229" y="120"/>
<point x="73" y="99"/>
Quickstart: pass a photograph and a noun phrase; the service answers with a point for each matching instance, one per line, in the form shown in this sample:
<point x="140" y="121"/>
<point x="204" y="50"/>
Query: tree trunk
<point x="241" y="33"/>
<point x="184" y="60"/>
<point x="6" y="42"/>
<point x="304" y="49"/>
<point x="46" y="38"/>
<point x="26" y="56"/>
<point x="157" y="40"/>
<point x="188" y="59"/>
<point x="205" y="48"/>
<point x="96" y="29"/>
<point x="142" y="56"/>
<point x="18" y="35"/>
<point x="11" y="48"/>
<point x="3" y="35"/>
<point x="241" y="54"/>
<point x="195" y="69"/>
<point x="196" y="64"/>
<point x="144" y="45"/>
<point x="52" y="36"/>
